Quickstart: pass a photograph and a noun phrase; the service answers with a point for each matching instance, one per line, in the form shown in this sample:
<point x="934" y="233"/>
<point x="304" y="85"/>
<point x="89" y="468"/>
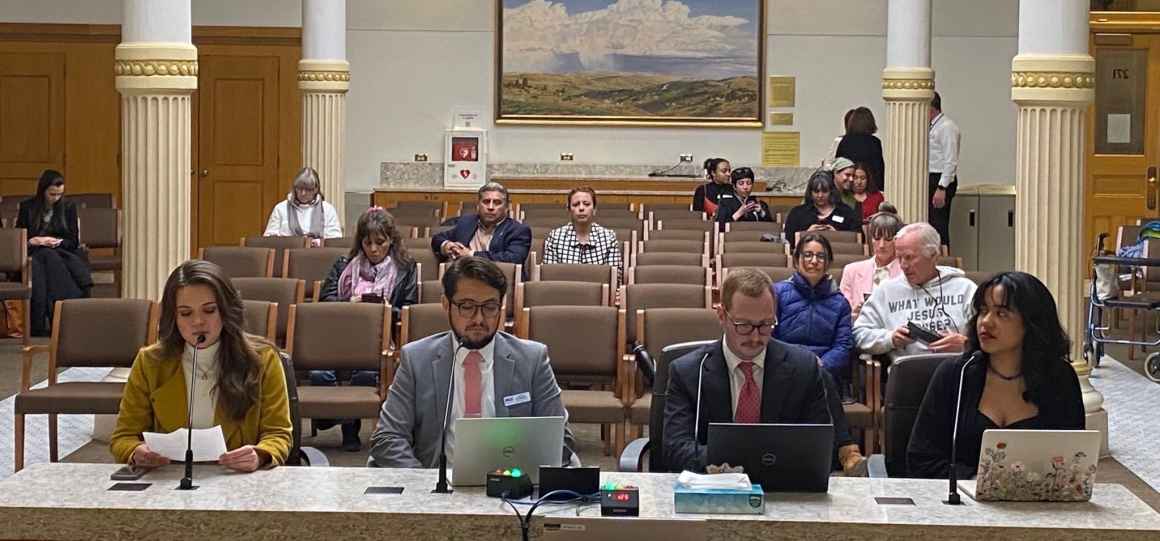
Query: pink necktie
<point x="472" y="391"/>
<point x="749" y="399"/>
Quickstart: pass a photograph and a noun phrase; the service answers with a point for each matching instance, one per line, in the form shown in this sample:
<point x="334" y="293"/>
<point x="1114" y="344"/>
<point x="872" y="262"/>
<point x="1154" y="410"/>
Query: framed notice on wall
<point x="465" y="156"/>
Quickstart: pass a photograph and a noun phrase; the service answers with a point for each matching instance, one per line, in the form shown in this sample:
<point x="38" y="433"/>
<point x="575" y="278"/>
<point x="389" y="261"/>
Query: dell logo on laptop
<point x="508" y="452"/>
<point x="768" y="459"/>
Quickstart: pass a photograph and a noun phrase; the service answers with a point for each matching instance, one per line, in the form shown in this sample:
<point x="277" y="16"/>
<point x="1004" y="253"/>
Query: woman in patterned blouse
<point x="582" y="240"/>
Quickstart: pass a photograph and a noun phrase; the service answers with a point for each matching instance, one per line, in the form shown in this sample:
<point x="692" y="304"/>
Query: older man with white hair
<point x="933" y="298"/>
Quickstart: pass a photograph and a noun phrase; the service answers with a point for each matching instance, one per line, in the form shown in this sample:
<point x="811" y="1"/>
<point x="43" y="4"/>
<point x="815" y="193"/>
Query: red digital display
<point x="621" y="497"/>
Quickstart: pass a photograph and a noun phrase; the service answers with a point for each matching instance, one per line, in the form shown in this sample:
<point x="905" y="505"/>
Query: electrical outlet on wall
<point x="420" y="157"/>
<point x="686" y="158"/>
<point x="566" y="157"/>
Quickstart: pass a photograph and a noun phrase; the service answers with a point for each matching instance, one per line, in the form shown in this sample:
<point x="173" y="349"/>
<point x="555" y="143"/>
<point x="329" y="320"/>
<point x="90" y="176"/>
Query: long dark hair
<point x="378" y="220"/>
<point x="818" y="181"/>
<point x="1046" y="347"/>
<point x="239" y="362"/>
<point x="48" y="179"/>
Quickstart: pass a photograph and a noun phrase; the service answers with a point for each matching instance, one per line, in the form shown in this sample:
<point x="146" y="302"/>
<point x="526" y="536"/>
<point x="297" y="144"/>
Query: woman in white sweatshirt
<point x="305" y="213"/>
<point x="933" y="297"/>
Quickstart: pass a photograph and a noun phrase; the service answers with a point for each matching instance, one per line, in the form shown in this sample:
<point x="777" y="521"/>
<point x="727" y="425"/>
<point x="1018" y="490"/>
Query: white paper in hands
<point x="208" y="444"/>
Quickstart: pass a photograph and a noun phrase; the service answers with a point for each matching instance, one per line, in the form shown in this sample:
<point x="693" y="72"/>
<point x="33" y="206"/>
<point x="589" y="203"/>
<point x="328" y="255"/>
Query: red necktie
<point x="749" y="399"/>
<point x="472" y="391"/>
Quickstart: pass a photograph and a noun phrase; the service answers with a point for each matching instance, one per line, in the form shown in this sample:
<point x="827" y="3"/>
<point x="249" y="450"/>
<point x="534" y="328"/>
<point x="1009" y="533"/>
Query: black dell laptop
<point x="781" y="458"/>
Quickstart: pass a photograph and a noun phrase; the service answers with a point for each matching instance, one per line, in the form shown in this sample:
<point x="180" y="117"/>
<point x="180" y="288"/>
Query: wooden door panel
<point x="32" y="107"/>
<point x="238" y="131"/>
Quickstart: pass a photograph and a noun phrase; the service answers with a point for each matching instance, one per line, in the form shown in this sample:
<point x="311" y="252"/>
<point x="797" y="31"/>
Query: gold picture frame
<point x="617" y="98"/>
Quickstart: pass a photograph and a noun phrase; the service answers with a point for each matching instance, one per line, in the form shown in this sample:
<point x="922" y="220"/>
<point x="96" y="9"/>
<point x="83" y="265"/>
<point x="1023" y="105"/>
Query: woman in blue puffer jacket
<point x="811" y="311"/>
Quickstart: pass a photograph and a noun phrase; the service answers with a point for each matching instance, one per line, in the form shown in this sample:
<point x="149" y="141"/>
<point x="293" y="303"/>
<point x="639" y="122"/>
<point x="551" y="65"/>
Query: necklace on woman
<point x="1001" y="376"/>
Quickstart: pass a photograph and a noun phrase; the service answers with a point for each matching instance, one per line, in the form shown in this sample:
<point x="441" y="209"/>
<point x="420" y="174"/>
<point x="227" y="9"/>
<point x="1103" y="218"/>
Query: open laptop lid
<point x="779" y="457"/>
<point x="486" y="444"/>
<point x="1036" y="465"/>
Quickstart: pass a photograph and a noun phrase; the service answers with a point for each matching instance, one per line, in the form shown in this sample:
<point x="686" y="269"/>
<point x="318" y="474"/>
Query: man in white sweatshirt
<point x="933" y="297"/>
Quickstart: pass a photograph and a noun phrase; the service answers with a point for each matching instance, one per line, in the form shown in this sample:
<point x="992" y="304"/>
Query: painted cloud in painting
<point x="658" y="37"/>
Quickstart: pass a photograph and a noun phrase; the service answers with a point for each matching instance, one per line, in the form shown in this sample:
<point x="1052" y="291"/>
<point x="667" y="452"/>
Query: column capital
<point x="146" y="67"/>
<point x="910" y="84"/>
<point x="316" y="75"/>
<point x="1053" y="79"/>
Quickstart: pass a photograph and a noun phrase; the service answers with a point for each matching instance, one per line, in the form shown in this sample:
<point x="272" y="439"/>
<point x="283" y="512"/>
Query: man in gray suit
<point x="496" y="374"/>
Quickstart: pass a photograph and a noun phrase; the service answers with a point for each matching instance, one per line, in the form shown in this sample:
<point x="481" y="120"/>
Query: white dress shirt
<point x="279" y="223"/>
<point x="737" y="375"/>
<point x="201" y="388"/>
<point x="943" y="154"/>
<point x="487" y="390"/>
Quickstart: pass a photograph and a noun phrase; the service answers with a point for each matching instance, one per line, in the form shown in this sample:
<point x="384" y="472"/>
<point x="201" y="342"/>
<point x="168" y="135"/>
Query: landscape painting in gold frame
<point x="630" y="62"/>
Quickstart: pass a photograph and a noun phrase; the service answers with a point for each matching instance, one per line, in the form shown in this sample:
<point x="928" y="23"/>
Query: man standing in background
<point x="943" y="150"/>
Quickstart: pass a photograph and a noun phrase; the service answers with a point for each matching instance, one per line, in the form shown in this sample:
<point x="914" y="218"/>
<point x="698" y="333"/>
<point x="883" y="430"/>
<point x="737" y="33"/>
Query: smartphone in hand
<point x="921" y="334"/>
<point x="371" y="298"/>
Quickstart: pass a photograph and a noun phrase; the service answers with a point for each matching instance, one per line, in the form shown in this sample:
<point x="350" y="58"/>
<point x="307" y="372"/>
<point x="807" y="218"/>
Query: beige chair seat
<point x="72" y="397"/>
<point x="345" y="402"/>
<point x="592" y="406"/>
<point x="99" y="263"/>
<point x="638" y="414"/>
<point x="14" y="290"/>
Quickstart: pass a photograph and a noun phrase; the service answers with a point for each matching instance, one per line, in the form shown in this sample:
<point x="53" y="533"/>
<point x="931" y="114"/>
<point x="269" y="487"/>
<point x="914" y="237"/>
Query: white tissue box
<point x="724" y="501"/>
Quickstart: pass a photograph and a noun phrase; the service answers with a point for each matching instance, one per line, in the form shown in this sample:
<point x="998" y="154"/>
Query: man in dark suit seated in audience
<point x="490" y="233"/>
<point x="746" y="377"/>
<point x="496" y="375"/>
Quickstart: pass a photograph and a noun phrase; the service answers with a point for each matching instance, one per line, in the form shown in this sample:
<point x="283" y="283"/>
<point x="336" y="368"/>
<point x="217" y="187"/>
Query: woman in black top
<point x="59" y="270"/>
<point x="822" y="208"/>
<point x="708" y="196"/>
<point x="1024" y="379"/>
<point x="743" y="207"/>
<point x="861" y="146"/>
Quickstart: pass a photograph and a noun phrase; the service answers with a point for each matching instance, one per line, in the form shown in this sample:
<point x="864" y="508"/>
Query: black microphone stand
<point x="187" y="481"/>
<point x="953" y="490"/>
<point x="441" y="486"/>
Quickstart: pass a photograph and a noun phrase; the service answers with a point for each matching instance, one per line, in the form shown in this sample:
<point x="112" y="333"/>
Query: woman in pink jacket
<point x="860" y="278"/>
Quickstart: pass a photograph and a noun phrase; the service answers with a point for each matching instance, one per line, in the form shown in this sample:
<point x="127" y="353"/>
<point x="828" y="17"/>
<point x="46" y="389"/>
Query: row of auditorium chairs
<point x="10" y="204"/>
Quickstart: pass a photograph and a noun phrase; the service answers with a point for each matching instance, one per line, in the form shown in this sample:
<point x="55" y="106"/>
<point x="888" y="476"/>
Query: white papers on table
<point x="208" y="444"/>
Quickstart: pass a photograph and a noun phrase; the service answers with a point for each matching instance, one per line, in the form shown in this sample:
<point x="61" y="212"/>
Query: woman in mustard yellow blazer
<point x="237" y="378"/>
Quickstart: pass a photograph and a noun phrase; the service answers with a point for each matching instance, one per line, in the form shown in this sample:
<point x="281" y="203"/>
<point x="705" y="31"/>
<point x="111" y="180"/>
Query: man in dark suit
<point x="496" y="375"/>
<point x="490" y="233"/>
<point x="747" y="377"/>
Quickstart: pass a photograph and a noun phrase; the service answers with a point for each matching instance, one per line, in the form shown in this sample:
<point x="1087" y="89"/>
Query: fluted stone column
<point x="156" y="72"/>
<point x="324" y="78"/>
<point x="907" y="88"/>
<point x="1053" y="82"/>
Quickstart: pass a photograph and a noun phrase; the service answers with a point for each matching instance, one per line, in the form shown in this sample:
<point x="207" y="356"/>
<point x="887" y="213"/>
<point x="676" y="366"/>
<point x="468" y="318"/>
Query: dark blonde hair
<point x="749" y="281"/>
<point x="583" y="189"/>
<point x="238" y="358"/>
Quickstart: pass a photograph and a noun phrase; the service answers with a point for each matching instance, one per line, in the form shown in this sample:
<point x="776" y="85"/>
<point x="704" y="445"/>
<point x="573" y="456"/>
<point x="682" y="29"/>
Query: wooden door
<point x="1124" y="135"/>
<point x="236" y="166"/>
<point x="32" y="118"/>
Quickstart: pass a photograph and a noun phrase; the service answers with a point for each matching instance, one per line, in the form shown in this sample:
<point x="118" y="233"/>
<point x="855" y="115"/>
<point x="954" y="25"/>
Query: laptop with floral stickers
<point x="1036" y="466"/>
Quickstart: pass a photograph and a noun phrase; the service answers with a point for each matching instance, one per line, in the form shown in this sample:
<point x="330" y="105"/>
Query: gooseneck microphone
<point x="187" y="481"/>
<point x="952" y="477"/>
<point x="441" y="485"/>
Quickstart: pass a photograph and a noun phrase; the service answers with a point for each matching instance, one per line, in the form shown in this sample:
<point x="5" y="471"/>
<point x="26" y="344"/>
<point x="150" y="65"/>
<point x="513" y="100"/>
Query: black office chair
<point x="632" y="458"/>
<point x="906" y="386"/>
<point x="299" y="455"/>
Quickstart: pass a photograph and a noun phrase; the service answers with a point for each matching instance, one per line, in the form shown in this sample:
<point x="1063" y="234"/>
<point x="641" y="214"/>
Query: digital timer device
<point x="617" y="500"/>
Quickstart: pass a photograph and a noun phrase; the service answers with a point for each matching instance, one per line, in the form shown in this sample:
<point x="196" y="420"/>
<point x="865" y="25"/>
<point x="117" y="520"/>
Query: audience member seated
<point x="813" y="315"/>
<point x="843" y="170"/>
<point x="930" y="296"/>
<point x="821" y="209"/>
<point x="860" y="144"/>
<point x="377" y="269"/>
<point x="305" y="212"/>
<point x="235" y="380"/>
<point x="868" y="196"/>
<point x="583" y="240"/>
<point x="1024" y="379"/>
<point x="484" y="361"/>
<point x="490" y="234"/>
<point x="59" y="269"/>
<point x="746" y="377"/>
<point x="743" y="207"/>
<point x="708" y="196"/>
<point x="859" y="279"/>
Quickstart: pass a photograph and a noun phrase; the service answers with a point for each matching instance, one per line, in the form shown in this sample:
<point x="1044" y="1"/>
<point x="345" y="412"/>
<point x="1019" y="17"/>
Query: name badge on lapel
<point x="517" y="399"/>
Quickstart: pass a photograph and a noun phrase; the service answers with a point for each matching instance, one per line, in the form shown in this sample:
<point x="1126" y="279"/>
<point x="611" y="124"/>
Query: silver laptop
<point x="498" y="443"/>
<point x="1036" y="466"/>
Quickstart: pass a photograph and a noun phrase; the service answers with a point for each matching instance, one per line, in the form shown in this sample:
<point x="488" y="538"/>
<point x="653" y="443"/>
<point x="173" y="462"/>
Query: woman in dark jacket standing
<point x="1024" y="379"/>
<point x="860" y="144"/>
<point x="59" y="270"/>
<point x="813" y="314"/>
<point x="377" y="269"/>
